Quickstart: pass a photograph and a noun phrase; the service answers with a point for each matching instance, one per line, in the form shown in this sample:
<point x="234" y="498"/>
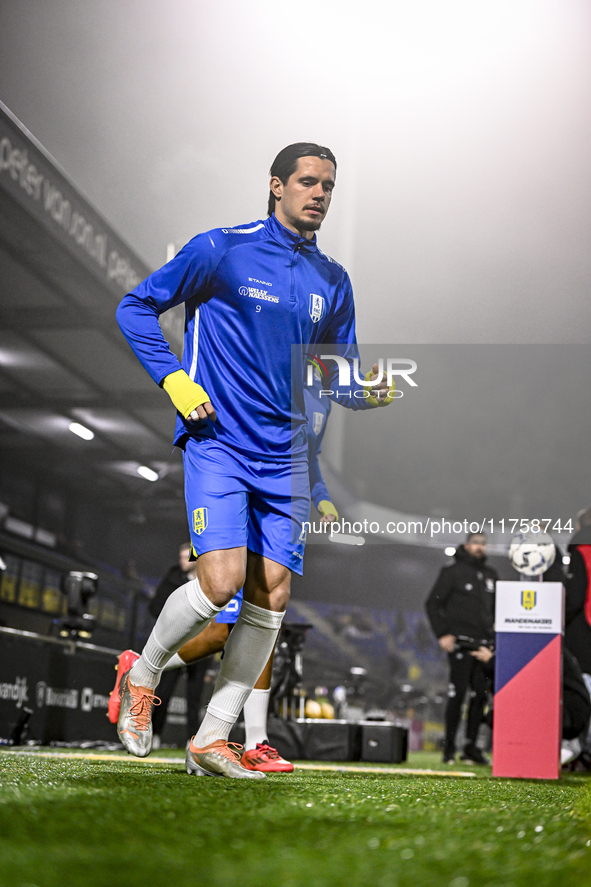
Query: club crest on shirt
<point x="200" y="520"/>
<point x="317" y="422"/>
<point x="316" y="307"/>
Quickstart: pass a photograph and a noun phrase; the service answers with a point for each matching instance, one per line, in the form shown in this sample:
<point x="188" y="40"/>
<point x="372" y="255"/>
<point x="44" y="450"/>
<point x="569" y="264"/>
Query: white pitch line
<point x="336" y="767"/>
<point x="387" y="771"/>
<point x="77" y="756"/>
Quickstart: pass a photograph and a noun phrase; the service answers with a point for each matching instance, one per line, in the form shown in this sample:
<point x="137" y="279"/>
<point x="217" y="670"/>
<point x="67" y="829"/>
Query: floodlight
<point x="81" y="431"/>
<point x="147" y="473"/>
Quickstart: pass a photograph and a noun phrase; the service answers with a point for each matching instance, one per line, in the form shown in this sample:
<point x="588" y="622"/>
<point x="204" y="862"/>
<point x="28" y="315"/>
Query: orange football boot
<point x="124" y="663"/>
<point x="265" y="759"/>
<point x="219" y="758"/>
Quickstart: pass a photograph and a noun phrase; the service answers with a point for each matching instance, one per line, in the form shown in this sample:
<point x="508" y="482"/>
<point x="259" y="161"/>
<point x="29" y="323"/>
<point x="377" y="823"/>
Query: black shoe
<point x="449" y="759"/>
<point x="473" y="755"/>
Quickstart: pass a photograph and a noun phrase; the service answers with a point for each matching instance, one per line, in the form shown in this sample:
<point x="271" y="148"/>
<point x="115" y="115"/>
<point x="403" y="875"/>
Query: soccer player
<point x="250" y="294"/>
<point x="258" y="753"/>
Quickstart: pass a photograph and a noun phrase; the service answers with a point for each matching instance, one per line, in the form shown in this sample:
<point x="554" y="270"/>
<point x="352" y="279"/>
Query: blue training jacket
<point x="250" y="294"/>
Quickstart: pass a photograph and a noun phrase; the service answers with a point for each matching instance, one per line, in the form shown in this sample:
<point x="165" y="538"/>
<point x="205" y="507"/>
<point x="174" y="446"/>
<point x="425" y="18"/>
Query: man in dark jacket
<point x="578" y="593"/>
<point x="461" y="609"/>
<point x="577" y="635"/>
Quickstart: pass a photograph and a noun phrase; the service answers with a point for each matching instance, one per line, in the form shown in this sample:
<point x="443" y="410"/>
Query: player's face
<point x="303" y="201"/>
<point x="476" y="546"/>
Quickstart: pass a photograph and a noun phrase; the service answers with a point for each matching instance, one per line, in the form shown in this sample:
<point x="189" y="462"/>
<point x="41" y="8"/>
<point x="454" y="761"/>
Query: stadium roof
<point x="63" y="270"/>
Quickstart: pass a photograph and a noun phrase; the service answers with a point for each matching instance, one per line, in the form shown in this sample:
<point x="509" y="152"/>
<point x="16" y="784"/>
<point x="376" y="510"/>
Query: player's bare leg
<point x="264" y="682"/>
<point x="210" y="641"/>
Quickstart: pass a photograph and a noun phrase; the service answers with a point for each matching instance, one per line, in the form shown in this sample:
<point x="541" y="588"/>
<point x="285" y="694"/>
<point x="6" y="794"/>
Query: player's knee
<point x="221" y="593"/>
<point x="220" y="588"/>
<point x="221" y="575"/>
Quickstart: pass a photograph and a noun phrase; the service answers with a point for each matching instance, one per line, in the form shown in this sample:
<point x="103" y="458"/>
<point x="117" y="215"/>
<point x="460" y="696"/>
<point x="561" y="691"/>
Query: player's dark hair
<point x="472" y="535"/>
<point x="286" y="163"/>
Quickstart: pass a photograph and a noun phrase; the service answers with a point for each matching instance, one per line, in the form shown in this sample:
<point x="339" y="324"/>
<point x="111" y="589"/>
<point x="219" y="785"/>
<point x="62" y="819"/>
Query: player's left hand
<point x="328" y="511"/>
<point x="381" y="394"/>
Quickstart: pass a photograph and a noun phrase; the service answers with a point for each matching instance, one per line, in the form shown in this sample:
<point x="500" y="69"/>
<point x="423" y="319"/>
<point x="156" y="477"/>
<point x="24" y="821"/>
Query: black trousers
<point x="165" y="691"/>
<point x="464" y="672"/>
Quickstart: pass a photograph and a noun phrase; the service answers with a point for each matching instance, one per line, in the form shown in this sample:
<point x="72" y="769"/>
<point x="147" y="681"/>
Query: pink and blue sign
<point x="528" y="679"/>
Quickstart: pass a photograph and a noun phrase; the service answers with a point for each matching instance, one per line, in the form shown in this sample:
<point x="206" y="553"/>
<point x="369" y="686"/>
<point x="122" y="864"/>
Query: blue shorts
<point x="233" y="501"/>
<point x="231" y="611"/>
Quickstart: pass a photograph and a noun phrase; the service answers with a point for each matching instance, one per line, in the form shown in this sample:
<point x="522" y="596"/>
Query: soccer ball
<point x="532" y="553"/>
<point x="312" y="709"/>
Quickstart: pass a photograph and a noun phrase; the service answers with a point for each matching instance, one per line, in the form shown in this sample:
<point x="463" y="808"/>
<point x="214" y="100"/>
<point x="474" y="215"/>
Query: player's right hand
<point x="189" y="398"/>
<point x="204" y="411"/>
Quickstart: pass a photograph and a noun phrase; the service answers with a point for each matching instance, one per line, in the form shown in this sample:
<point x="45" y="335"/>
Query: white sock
<point x="247" y="651"/>
<point x="186" y="612"/>
<point x="175" y="661"/>
<point x="255" y="718"/>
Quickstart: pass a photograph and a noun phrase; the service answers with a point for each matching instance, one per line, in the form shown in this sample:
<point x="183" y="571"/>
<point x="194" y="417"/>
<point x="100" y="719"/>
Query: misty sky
<point x="462" y="208"/>
<point x="461" y="130"/>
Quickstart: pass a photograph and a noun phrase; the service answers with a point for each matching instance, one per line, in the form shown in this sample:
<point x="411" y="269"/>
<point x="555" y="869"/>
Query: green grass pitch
<point x="97" y="820"/>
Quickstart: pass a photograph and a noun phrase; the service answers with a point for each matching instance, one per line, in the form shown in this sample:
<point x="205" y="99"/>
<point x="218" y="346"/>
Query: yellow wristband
<point x="372" y="399"/>
<point x="185" y="394"/>
<point x="326" y="507"/>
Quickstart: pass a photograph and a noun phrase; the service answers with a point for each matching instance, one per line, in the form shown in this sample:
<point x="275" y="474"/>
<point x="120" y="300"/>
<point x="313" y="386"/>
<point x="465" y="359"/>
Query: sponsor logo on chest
<point x="255" y="290"/>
